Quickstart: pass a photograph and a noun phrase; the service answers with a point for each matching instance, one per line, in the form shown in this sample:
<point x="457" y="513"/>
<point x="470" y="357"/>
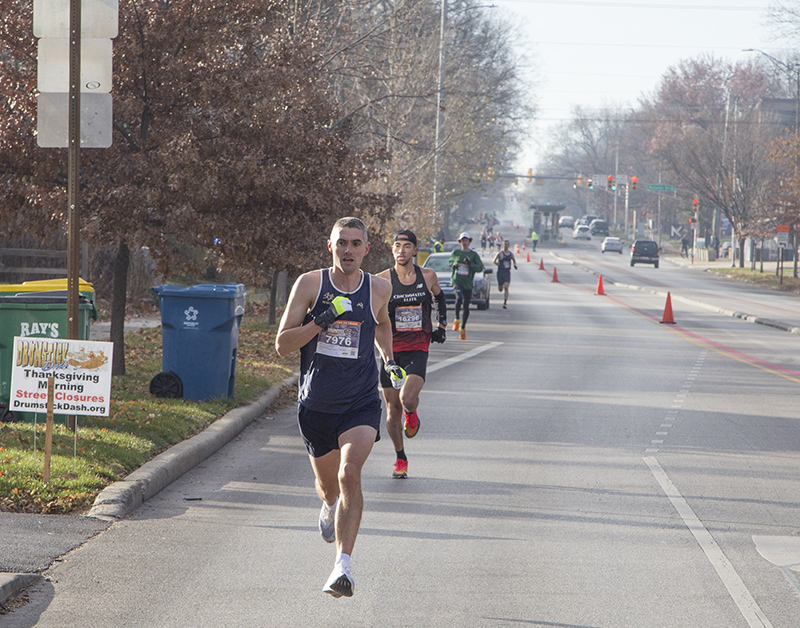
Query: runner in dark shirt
<point x="504" y="259"/>
<point x="335" y="317"/>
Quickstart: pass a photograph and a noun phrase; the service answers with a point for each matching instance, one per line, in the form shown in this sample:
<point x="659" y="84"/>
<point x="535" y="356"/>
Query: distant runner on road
<point x="504" y="259"/>
<point x="465" y="263"/>
<point x="336" y="316"/>
<point x="411" y="312"/>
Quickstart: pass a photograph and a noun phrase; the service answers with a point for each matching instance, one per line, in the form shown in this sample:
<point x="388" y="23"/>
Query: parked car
<point x="581" y="232"/>
<point x="611" y="244"/>
<point x="599" y="227"/>
<point x="644" y="252"/>
<point x="566" y="221"/>
<point x="586" y="219"/>
<point x="481" y="290"/>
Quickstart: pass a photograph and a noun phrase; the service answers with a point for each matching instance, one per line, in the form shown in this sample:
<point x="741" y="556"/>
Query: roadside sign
<point x="783" y="235"/>
<point x="660" y="187"/>
<point x="81" y="370"/>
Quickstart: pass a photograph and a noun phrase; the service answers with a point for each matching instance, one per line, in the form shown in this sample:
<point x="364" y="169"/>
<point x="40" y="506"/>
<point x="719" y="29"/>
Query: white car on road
<point x="581" y="232"/>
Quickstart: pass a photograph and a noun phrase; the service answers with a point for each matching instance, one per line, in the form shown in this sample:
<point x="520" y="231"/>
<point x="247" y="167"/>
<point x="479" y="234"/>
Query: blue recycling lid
<point x="202" y="291"/>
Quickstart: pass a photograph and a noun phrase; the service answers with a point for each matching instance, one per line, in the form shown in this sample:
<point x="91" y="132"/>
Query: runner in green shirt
<point x="465" y="263"/>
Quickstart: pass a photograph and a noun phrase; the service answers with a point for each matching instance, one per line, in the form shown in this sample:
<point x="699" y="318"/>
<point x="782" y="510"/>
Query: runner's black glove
<point x="439" y="335"/>
<point x="339" y="306"/>
<point x="396" y="374"/>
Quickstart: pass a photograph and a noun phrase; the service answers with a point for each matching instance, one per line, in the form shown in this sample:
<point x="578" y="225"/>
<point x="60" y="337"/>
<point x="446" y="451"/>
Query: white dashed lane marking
<point x="677" y="404"/>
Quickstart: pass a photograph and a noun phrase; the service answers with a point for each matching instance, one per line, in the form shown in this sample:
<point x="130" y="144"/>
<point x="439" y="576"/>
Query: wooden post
<point x="48" y="436"/>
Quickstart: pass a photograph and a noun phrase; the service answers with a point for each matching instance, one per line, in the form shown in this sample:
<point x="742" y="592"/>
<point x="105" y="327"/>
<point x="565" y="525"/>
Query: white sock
<point x="344" y="560"/>
<point x="332" y="508"/>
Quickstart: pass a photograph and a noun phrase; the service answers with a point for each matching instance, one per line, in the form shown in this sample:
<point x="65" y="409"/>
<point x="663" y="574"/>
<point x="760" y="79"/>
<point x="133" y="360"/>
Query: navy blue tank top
<point x="338" y="372"/>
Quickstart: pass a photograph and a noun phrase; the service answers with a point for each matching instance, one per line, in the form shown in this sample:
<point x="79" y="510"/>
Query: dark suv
<point x="644" y="252"/>
<point x="599" y="227"/>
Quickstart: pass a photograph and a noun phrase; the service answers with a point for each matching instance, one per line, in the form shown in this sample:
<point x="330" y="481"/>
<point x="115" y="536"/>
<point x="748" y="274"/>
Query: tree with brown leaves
<point x="222" y="141"/>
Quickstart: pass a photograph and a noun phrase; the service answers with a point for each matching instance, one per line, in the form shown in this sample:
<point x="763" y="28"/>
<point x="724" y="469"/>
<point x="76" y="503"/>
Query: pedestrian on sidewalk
<point x="335" y="316"/>
<point x="414" y="290"/>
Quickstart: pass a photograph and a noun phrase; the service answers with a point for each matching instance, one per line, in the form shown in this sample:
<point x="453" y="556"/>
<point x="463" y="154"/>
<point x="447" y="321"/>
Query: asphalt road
<point x="579" y="464"/>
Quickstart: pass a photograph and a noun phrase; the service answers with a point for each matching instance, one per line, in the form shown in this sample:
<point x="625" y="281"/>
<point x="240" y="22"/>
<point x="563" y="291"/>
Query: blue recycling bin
<point x="199" y="340"/>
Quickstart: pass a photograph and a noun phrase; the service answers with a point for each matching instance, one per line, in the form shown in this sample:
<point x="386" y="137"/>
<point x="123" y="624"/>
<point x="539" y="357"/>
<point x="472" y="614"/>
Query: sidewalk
<point x="31" y="543"/>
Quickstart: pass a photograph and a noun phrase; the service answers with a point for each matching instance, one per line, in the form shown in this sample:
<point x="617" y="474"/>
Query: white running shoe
<point x="340" y="582"/>
<point x="327" y="523"/>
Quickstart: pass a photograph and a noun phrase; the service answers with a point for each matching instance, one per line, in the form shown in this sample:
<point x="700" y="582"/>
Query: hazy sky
<point x="596" y="53"/>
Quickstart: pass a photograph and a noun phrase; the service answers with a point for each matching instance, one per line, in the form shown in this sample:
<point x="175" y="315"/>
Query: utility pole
<point x="616" y="177"/>
<point x="439" y="117"/>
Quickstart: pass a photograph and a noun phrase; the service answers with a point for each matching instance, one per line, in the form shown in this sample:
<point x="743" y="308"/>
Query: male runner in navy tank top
<point x="410" y="311"/>
<point x="336" y="316"/>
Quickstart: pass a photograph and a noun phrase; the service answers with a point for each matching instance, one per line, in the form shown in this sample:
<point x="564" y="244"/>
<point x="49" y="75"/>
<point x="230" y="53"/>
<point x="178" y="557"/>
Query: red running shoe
<point x="411" y="426"/>
<point x="400" y="469"/>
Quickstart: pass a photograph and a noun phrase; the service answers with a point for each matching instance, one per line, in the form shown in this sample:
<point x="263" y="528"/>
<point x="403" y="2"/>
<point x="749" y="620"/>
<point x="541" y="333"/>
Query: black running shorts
<point x="414" y="363"/>
<point x="321" y="430"/>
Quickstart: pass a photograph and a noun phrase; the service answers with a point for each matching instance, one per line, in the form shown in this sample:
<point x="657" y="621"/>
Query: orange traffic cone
<point x="555" y="275"/>
<point x="523" y="246"/>
<point x="516" y="249"/>
<point x="600" y="286"/>
<point x="668" y="318"/>
<point x="528" y="257"/>
<point x="541" y="263"/>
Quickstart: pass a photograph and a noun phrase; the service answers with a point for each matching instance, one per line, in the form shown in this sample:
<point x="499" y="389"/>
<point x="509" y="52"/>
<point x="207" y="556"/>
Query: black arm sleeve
<point x="441" y="307"/>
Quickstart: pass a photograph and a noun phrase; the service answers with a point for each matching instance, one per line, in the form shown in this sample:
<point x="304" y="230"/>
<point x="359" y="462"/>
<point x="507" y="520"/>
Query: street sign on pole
<point x="57" y="45"/>
<point x="660" y="187"/>
<point x="783" y="236"/>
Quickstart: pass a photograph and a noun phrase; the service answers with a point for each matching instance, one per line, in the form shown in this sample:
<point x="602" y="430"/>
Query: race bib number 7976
<point x="340" y="340"/>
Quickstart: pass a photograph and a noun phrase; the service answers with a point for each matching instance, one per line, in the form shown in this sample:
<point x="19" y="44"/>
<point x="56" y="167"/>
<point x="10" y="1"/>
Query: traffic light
<point x="634" y="179"/>
<point x="611" y="184"/>
<point x="590" y="183"/>
<point x="579" y="181"/>
<point x="530" y="174"/>
<point x="695" y="203"/>
<point x="691" y="220"/>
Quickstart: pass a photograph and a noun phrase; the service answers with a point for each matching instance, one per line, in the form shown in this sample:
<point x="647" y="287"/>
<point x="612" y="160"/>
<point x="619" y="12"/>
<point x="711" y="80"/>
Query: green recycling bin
<point x="39" y="315"/>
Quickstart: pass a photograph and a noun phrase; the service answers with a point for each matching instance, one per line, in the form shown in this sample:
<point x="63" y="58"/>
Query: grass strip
<point x="140" y="426"/>
<point x="765" y="279"/>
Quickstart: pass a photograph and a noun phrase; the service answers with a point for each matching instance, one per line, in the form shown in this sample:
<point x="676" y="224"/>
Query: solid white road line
<point x="748" y="607"/>
<point x="463" y="356"/>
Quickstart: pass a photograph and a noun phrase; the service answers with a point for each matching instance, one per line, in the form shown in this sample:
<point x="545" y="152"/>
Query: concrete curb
<point x="13" y="583"/>
<point x="768" y="322"/>
<point x="121" y="498"/>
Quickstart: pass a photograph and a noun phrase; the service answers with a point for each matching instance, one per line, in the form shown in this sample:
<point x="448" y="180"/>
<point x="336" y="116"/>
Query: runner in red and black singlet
<point x="414" y="290"/>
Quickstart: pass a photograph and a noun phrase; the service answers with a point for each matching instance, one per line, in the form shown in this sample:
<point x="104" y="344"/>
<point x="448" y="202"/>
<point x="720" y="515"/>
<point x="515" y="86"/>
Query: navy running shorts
<point x="413" y="362"/>
<point x="321" y="430"/>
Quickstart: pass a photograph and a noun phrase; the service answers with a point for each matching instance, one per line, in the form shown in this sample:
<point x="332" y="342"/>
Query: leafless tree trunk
<point x="118" y="305"/>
